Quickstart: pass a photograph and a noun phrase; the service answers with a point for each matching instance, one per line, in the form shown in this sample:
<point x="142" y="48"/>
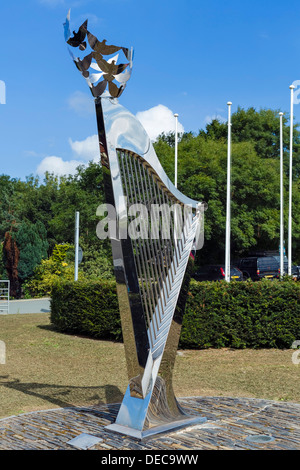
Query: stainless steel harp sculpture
<point x="152" y="271"/>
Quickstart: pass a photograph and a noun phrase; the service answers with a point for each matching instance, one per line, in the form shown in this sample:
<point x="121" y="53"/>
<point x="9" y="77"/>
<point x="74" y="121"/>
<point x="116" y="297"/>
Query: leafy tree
<point x="97" y="260"/>
<point x="262" y="129"/>
<point x="202" y="175"/>
<point x="82" y="192"/>
<point x="215" y="130"/>
<point x="9" y="213"/>
<point x="51" y="270"/>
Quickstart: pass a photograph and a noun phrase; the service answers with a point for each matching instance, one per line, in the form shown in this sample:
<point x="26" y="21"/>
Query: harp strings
<point x="163" y="233"/>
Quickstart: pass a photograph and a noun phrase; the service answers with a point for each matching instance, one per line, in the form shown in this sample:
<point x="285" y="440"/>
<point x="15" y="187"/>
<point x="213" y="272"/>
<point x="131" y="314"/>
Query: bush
<point x="87" y="308"/>
<point x="264" y="314"/>
<point x="49" y="271"/>
<point x="61" y="267"/>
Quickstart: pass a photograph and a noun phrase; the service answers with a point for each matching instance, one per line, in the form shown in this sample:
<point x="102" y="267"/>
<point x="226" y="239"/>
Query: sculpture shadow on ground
<point x="65" y="396"/>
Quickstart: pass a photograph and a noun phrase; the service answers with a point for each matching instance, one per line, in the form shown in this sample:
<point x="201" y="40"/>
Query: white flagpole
<point x="76" y="244"/>
<point x="290" y="184"/>
<point x="228" y="205"/>
<point x="176" y="147"/>
<point x="281" y="198"/>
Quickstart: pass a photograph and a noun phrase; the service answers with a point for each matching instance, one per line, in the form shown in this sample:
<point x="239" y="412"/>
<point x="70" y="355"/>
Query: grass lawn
<point x="45" y="369"/>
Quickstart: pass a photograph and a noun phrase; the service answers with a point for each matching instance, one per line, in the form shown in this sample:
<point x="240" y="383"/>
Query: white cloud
<point x="157" y="120"/>
<point x="87" y="149"/>
<point x="81" y="103"/>
<point x="57" y="166"/>
<point x="84" y="150"/>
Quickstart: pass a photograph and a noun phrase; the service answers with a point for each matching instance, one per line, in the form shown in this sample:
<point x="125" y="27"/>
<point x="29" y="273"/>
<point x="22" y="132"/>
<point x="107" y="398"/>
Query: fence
<point x="4" y="296"/>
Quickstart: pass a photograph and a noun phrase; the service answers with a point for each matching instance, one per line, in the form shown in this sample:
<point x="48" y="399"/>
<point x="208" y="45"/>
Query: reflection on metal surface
<point x="152" y="271"/>
<point x="107" y="70"/>
<point x="78" y="39"/>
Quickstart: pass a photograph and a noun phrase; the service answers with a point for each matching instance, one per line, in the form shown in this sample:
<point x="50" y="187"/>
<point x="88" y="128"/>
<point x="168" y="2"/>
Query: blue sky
<point x="190" y="58"/>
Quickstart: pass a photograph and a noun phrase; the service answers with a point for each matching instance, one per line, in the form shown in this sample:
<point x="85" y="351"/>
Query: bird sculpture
<point x="108" y="70"/>
<point x="100" y="46"/>
<point x="78" y="39"/>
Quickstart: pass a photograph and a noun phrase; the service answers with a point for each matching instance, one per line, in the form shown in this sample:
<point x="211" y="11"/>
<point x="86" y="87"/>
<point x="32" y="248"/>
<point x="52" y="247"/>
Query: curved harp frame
<point x="152" y="274"/>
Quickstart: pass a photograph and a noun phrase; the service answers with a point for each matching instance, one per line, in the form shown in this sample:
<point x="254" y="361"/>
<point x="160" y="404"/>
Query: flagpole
<point x="228" y="204"/>
<point x="281" y="199"/>
<point x="290" y="184"/>
<point x="76" y="245"/>
<point x="176" y="147"/>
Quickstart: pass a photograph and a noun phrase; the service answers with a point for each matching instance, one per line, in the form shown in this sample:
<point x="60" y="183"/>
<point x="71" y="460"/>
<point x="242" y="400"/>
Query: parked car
<point x="295" y="272"/>
<point x="295" y="269"/>
<point x="217" y="273"/>
<point x="258" y="267"/>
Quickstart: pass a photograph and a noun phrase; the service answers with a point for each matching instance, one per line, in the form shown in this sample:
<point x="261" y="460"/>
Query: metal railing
<point x="4" y="296"/>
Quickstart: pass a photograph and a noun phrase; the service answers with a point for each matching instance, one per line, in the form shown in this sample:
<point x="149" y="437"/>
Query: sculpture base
<point x="165" y="428"/>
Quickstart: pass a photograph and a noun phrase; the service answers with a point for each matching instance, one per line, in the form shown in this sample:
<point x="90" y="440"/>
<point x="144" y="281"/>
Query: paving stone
<point x="229" y="422"/>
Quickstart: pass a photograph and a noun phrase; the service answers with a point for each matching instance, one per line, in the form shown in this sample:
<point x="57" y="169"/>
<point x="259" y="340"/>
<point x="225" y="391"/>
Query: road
<point x="28" y="306"/>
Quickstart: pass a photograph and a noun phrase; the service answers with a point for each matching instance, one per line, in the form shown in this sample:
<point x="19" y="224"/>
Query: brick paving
<point x="230" y="423"/>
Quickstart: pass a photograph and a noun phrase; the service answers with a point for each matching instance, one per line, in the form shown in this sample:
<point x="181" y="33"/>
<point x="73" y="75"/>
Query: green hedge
<point x="264" y="314"/>
<point x="87" y="308"/>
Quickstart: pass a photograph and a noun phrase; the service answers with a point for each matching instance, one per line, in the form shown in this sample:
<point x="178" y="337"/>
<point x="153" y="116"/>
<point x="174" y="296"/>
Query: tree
<point x="202" y="170"/>
<point x="82" y="192"/>
<point x="9" y="210"/>
<point x="262" y="129"/>
<point x="54" y="269"/>
<point x="31" y="240"/>
<point x="36" y="202"/>
<point x="11" y="259"/>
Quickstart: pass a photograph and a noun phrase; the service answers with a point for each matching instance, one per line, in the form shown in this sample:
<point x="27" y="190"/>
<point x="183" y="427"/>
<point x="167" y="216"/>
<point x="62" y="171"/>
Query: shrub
<point x="49" y="271"/>
<point x="61" y="267"/>
<point x="87" y="308"/>
<point x="264" y="314"/>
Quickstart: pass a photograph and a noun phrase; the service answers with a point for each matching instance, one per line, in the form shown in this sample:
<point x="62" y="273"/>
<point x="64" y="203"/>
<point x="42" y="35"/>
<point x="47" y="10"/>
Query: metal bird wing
<point x="78" y="38"/>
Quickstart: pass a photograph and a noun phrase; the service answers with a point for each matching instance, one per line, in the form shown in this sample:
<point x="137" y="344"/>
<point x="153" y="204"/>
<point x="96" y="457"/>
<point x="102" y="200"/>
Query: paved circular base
<point x="230" y="422"/>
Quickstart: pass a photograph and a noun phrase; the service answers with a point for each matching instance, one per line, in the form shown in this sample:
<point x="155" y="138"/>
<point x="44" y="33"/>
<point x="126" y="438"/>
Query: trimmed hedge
<point x="87" y="308"/>
<point x="264" y="314"/>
